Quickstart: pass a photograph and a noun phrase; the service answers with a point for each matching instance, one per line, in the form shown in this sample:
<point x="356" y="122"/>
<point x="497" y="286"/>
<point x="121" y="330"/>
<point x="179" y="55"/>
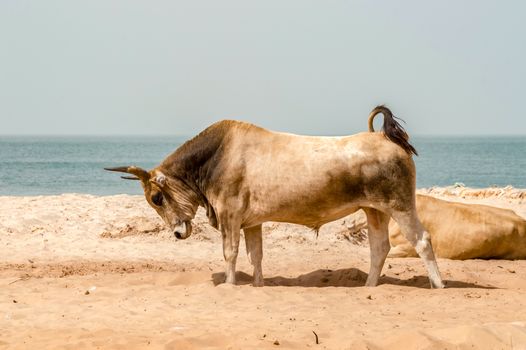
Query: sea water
<point x="37" y="165"/>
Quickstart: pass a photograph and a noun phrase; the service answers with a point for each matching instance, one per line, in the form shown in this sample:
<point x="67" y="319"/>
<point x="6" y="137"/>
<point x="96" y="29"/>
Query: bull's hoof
<point x="258" y="283"/>
<point x="371" y="282"/>
<point x="437" y="285"/>
<point x="230" y="280"/>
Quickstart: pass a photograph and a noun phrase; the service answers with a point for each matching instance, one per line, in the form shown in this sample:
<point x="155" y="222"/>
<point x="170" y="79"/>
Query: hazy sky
<point x="316" y="67"/>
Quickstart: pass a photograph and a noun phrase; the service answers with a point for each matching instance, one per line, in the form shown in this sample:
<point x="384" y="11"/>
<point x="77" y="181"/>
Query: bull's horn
<point x="141" y="174"/>
<point x="129" y="178"/>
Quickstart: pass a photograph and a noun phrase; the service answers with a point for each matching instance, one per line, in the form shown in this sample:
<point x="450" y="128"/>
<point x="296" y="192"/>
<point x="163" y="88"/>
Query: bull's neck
<point x="193" y="162"/>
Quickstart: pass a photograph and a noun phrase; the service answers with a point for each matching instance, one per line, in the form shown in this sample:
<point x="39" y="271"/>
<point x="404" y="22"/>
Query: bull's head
<point x="171" y="198"/>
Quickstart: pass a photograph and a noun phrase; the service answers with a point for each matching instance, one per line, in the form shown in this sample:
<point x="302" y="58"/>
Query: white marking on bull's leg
<point x="420" y="239"/>
<point x="378" y="243"/>
<point x="254" y="243"/>
<point x="230" y="249"/>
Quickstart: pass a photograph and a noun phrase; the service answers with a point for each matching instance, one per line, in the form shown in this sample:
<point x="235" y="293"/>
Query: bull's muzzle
<point x="183" y="230"/>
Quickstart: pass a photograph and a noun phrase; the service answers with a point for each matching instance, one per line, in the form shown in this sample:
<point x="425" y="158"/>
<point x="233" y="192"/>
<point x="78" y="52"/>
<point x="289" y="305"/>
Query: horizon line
<point x="192" y="135"/>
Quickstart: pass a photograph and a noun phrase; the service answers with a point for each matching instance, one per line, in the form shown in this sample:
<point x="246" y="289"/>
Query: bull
<point x="244" y="175"/>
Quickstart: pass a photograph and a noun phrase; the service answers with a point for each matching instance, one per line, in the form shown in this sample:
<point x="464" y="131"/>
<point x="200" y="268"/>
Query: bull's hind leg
<point x="254" y="243"/>
<point x="420" y="239"/>
<point x="378" y="243"/>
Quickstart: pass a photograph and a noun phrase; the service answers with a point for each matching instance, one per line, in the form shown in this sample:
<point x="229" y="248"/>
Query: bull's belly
<point x="309" y="216"/>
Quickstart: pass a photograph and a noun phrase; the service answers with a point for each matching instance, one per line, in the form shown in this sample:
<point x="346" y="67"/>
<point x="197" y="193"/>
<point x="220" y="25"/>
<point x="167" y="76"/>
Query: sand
<point x="80" y="271"/>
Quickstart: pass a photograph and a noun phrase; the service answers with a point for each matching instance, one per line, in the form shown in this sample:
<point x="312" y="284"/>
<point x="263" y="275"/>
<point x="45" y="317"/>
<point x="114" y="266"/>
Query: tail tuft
<point x="392" y="129"/>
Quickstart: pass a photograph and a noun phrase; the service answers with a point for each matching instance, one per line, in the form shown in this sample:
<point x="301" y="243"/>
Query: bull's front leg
<point x="230" y="233"/>
<point x="254" y="243"/>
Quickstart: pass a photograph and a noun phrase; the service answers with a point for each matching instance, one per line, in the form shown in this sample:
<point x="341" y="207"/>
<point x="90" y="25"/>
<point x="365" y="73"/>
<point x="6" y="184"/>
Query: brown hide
<point x="465" y="231"/>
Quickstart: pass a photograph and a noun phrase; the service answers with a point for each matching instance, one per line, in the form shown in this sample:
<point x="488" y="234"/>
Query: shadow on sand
<point x="341" y="278"/>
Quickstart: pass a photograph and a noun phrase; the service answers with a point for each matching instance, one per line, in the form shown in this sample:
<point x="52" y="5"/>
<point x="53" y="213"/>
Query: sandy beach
<point x="81" y="271"/>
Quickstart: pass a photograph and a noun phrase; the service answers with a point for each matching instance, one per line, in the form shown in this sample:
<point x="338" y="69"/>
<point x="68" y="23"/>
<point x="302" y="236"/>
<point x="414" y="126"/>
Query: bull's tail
<point x="392" y="129"/>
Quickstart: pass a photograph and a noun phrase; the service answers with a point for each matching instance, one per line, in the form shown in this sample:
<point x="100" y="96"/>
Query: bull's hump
<point x="231" y="124"/>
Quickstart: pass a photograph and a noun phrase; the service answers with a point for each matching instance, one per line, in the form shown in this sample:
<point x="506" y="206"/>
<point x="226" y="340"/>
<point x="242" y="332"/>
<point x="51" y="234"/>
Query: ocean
<point x="38" y="165"/>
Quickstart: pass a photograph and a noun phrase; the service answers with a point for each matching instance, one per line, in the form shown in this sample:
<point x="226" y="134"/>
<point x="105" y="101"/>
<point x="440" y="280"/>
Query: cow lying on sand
<point x="465" y="231"/>
<point x="244" y="175"/>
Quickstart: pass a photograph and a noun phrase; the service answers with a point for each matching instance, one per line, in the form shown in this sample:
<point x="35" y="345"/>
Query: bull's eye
<point x="157" y="199"/>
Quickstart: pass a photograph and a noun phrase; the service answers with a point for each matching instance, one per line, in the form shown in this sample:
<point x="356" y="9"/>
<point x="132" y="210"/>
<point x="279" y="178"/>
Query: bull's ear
<point x="140" y="173"/>
<point x="159" y="180"/>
